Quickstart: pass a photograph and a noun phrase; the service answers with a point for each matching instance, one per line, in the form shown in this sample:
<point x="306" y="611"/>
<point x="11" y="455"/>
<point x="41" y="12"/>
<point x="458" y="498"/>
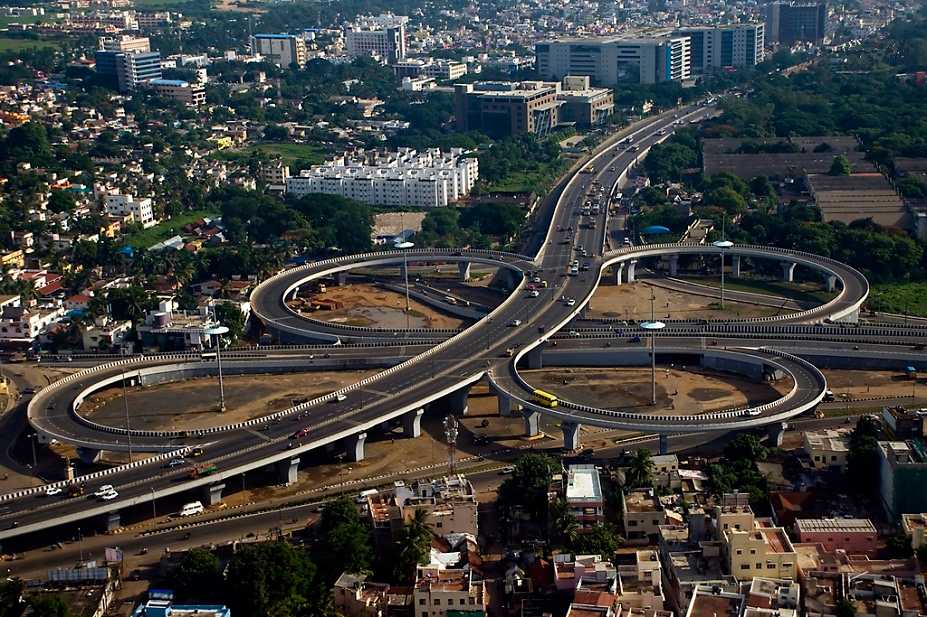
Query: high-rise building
<point x="614" y="60"/>
<point x="792" y="22"/>
<point x="721" y="46"/>
<point x="280" y="49"/>
<point x="126" y="70"/>
<point x="383" y="36"/>
<point x="126" y="43"/>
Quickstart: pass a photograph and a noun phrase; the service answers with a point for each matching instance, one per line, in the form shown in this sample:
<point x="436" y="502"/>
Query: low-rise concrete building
<point x="642" y="515"/>
<point x="827" y="448"/>
<point x="191" y="95"/>
<point x="440" y="592"/>
<point x="915" y="527"/>
<point x="853" y="535"/>
<point x="583" y="494"/>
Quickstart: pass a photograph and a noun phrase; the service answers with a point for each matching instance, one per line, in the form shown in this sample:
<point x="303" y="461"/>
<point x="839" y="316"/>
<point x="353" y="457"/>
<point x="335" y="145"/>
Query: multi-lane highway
<point x="518" y="327"/>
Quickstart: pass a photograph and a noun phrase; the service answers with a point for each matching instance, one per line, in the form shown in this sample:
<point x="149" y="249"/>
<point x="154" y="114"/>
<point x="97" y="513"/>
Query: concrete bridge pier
<point x="570" y="435"/>
<point x="212" y="493"/>
<point x="112" y="521"/>
<point x="664" y="443"/>
<point x="463" y="269"/>
<point x="89" y="455"/>
<point x="535" y="357"/>
<point x="355" y="447"/>
<point x="673" y="265"/>
<point x="631" y="267"/>
<point x="831" y="283"/>
<point x="788" y="271"/>
<point x="341" y="278"/>
<point x="288" y="471"/>
<point x="735" y="266"/>
<point x="295" y="293"/>
<point x="618" y="269"/>
<point x="775" y="432"/>
<point x="412" y="423"/>
<point x="505" y="405"/>
<point x="456" y="402"/>
<point x="532" y="422"/>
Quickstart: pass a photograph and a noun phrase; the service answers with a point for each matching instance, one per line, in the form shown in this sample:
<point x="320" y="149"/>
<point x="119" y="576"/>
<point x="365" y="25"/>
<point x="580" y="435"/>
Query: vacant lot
<point x="192" y="403"/>
<point x="371" y="306"/>
<point x="632" y="301"/>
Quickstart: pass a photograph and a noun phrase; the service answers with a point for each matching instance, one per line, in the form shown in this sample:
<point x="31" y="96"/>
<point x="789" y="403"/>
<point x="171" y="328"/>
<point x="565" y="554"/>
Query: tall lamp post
<point x="723" y="245"/>
<point x="218" y="331"/>
<point x="404" y="246"/>
<point x="653" y="325"/>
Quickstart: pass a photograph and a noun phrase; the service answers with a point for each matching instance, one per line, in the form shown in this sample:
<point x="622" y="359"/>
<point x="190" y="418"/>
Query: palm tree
<point x="640" y="472"/>
<point x="563" y="528"/>
<point x="413" y="545"/>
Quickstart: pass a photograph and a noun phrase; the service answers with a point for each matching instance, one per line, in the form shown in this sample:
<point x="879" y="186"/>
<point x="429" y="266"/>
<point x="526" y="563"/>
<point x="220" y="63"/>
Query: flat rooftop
<point x="641" y="501"/>
<point x="583" y="483"/>
<point x="835" y="525"/>
<point x="707" y="604"/>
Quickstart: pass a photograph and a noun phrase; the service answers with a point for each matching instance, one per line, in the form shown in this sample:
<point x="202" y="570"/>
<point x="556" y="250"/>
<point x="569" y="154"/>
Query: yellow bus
<point x="545" y="398"/>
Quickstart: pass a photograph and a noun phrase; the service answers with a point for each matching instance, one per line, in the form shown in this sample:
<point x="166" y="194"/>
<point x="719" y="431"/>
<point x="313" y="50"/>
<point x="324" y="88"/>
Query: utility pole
<point x="125" y="404"/>
<point x="450" y="436"/>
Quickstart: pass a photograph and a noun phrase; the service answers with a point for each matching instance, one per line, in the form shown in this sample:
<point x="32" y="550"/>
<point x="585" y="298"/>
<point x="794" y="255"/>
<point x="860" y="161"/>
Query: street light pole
<point x="723" y="245"/>
<point x="154" y="511"/>
<point x="653" y="325"/>
<point x="404" y="246"/>
<point x="218" y="330"/>
<point x="125" y="404"/>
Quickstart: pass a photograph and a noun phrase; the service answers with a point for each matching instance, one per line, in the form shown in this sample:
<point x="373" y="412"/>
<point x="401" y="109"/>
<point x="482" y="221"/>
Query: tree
<point x="845" y="607"/>
<point x="840" y="166"/>
<point x="745" y="447"/>
<point x="229" y="315"/>
<point x="275" y="132"/>
<point x="640" y="470"/>
<point x="727" y="199"/>
<point x="863" y="456"/>
<point x="11" y="597"/>
<point x="564" y="528"/>
<point x="48" y="606"/>
<point x="198" y="577"/>
<point x="61" y="201"/>
<point x="529" y="484"/>
<point x="412" y="546"/>
<point x="274" y="579"/>
<point x="342" y="540"/>
<point x="602" y="539"/>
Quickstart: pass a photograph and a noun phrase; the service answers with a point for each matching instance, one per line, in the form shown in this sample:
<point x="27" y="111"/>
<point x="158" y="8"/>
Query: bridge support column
<point x="89" y="455"/>
<point x="673" y="265"/>
<point x="664" y="443"/>
<point x="212" y="493"/>
<point x="775" y="433"/>
<point x="532" y="422"/>
<point x="463" y="268"/>
<point x="112" y="521"/>
<point x="355" y="447"/>
<point x="570" y="435"/>
<point x="788" y="271"/>
<point x="505" y="405"/>
<point x="583" y="311"/>
<point x="535" y="357"/>
<point x="295" y="293"/>
<point x="288" y="471"/>
<point x="456" y="402"/>
<point x="735" y="266"/>
<point x="618" y="269"/>
<point x="412" y="423"/>
<point x="831" y="283"/>
<point x="631" y="267"/>
<point x="341" y="278"/>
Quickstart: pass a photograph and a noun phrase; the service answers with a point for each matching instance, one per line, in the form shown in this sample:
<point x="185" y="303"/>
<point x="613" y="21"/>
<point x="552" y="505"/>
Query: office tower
<point x="615" y="60"/>
<point x="383" y="36"/>
<point x="721" y="46"/>
<point x="125" y="71"/>
<point x="280" y="49"/>
<point x="789" y="22"/>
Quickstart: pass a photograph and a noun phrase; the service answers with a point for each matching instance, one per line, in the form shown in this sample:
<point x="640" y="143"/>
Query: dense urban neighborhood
<point x="444" y="308"/>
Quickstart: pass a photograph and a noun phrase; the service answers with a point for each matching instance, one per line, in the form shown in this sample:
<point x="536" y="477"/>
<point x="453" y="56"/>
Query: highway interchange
<point x="421" y="367"/>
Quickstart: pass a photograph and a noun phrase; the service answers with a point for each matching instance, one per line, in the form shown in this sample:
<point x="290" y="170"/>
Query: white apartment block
<point x="714" y="47"/>
<point x="280" y="49"/>
<point x="383" y="36"/>
<point x="126" y="43"/>
<point x="438" y="591"/>
<point x="126" y="205"/>
<point x="407" y="177"/>
<point x="191" y="95"/>
<point x="20" y="324"/>
<point x="441" y="69"/>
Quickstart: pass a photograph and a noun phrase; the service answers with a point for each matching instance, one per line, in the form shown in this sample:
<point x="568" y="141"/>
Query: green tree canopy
<point x="840" y="166"/>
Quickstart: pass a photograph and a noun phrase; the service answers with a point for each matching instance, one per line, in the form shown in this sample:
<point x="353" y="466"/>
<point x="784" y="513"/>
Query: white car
<point x="341" y="397"/>
<point x="176" y="462"/>
<point x="515" y="323"/>
<point x="109" y="496"/>
<point x="103" y="490"/>
<point x="534" y="293"/>
<point x="571" y="301"/>
<point x="51" y="491"/>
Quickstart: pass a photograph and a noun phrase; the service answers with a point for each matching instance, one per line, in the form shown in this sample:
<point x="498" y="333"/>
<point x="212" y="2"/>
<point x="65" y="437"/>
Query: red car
<point x="303" y="432"/>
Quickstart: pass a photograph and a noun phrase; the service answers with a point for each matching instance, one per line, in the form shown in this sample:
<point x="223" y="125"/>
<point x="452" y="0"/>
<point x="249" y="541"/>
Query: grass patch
<point x="793" y="291"/>
<point x="6" y="20"/>
<point x="8" y="43"/>
<point x="290" y="153"/>
<point x="166" y="229"/>
<point x="158" y="4"/>
<point x="900" y="298"/>
<point x="526" y="181"/>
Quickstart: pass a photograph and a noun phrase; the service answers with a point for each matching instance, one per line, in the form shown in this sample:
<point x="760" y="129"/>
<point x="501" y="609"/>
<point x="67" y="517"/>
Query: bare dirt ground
<point x="683" y="390"/>
<point x="246" y="397"/>
<point x="870" y="384"/>
<point x="632" y="301"/>
<point x="233" y="6"/>
<point x="369" y="305"/>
